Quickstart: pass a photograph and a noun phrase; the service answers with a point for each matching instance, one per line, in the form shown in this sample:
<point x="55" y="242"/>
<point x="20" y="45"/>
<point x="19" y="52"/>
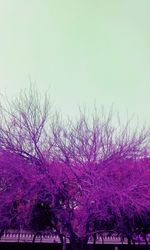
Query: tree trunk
<point x="80" y="244"/>
<point x="2" y="232"/>
<point x="102" y="239"/>
<point x="83" y="243"/>
<point x="64" y="243"/>
<point x="145" y="238"/>
<point x="36" y="235"/>
<point x="94" y="241"/>
<point x="73" y="244"/>
<point x="129" y="240"/>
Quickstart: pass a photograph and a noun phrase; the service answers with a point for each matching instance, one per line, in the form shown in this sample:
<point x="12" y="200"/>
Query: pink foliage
<point x="82" y="173"/>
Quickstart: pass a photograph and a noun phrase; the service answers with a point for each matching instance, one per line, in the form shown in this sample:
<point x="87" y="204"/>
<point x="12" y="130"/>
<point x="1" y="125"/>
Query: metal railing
<point x="28" y="236"/>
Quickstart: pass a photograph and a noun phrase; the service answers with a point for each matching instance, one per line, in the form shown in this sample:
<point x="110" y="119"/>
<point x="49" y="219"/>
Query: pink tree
<point x="83" y="175"/>
<point x="24" y="127"/>
<point x="16" y="182"/>
<point x="100" y="158"/>
<point x="24" y="188"/>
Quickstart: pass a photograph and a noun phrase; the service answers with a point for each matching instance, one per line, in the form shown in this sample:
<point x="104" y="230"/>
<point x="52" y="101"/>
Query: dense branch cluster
<point x="75" y="178"/>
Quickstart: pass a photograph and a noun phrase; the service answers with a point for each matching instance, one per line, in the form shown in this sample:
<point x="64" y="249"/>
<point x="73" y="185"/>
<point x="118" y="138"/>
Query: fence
<point x="27" y="236"/>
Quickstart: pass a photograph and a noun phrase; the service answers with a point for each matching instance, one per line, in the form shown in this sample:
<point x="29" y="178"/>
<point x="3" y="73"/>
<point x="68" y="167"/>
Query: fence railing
<point x="27" y="236"/>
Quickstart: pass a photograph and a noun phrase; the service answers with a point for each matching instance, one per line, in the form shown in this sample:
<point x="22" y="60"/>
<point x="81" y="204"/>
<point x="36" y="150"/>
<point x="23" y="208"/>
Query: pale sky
<point x="82" y="51"/>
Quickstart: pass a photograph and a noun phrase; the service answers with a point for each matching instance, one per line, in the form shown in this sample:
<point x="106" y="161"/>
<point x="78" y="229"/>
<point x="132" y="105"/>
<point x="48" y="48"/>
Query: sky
<point x="82" y="52"/>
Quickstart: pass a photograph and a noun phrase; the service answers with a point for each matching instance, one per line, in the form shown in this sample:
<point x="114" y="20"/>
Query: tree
<point x="102" y="161"/>
<point x="75" y="179"/>
<point x="23" y="127"/>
